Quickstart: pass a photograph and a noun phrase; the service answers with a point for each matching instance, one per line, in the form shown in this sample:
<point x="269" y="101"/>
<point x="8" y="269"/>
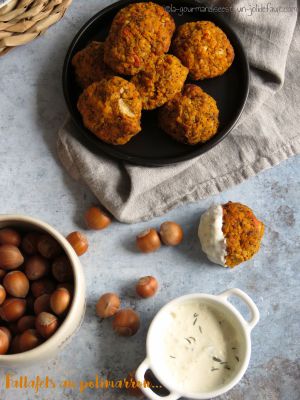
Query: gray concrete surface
<point x="33" y="182"/>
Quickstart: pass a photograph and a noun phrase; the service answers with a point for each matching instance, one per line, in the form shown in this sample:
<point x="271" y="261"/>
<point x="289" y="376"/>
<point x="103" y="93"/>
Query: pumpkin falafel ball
<point x="138" y="32"/>
<point x="191" y="117"/>
<point x="160" y="81"/>
<point x="204" y="49"/>
<point x="230" y="234"/>
<point x="111" y="109"/>
<point x="89" y="65"/>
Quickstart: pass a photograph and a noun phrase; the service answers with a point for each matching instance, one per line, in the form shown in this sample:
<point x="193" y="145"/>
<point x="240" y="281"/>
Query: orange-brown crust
<point x="243" y="233"/>
<point x="111" y="109"/>
<point x="160" y="81"/>
<point x="191" y="117"/>
<point x="89" y="65"/>
<point x="138" y="32"/>
<point x="203" y="48"/>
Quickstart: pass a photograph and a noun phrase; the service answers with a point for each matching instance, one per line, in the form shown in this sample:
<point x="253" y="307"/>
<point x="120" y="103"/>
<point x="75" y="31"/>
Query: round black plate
<point x="152" y="147"/>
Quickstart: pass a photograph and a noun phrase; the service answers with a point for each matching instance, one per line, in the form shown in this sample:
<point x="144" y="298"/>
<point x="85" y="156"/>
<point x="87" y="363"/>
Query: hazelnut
<point x="48" y="247"/>
<point x="171" y="233"/>
<point x="79" y="242"/>
<point x="42" y="303"/>
<point x="5" y="339"/>
<point x="108" y="305"/>
<point x="36" y="267"/>
<point x="30" y="242"/>
<point x="2" y="294"/>
<point x="148" y="241"/>
<point x="10" y="257"/>
<point x="46" y="324"/>
<point x="147" y="286"/>
<point x="42" y="286"/>
<point x="16" y="284"/>
<point x="10" y="236"/>
<point x="60" y="301"/>
<point x="26" y="322"/>
<point x="28" y="340"/>
<point x="96" y="219"/>
<point x="62" y="269"/>
<point x="126" y="322"/>
<point x="12" y="309"/>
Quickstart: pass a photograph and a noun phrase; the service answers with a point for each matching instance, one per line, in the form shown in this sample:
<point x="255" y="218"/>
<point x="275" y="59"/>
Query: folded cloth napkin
<point x="267" y="133"/>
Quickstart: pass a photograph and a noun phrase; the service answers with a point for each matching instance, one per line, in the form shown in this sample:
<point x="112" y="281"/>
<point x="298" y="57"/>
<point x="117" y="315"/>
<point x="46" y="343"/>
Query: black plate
<point x="152" y="147"/>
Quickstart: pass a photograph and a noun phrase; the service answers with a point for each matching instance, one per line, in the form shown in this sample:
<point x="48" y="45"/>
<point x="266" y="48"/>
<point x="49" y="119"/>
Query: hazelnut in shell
<point x="5" y="339"/>
<point x="48" y="247"/>
<point x="148" y="241"/>
<point x="28" y="340"/>
<point x="60" y="300"/>
<point x="171" y="233"/>
<point x="96" y="218"/>
<point x="10" y="236"/>
<point x="26" y="322"/>
<point x="79" y="242"/>
<point x="2" y="294"/>
<point x="107" y="305"/>
<point x="147" y="286"/>
<point x="16" y="284"/>
<point x="126" y="322"/>
<point x="10" y="257"/>
<point x="46" y="324"/>
<point x="62" y="269"/>
<point x="42" y="303"/>
<point x="42" y="286"/>
<point x="12" y="309"/>
<point x="29" y="243"/>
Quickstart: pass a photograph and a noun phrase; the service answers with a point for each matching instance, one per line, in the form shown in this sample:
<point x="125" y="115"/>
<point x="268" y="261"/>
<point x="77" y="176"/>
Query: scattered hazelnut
<point x="62" y="269"/>
<point x="41" y="304"/>
<point x="26" y="322"/>
<point x="60" y="301"/>
<point x="16" y="284"/>
<point x="5" y="339"/>
<point x="108" y="305"/>
<point x="147" y="286"/>
<point x="10" y="257"/>
<point x="126" y="322"/>
<point x="148" y="241"/>
<point x="12" y="309"/>
<point x="96" y="219"/>
<point x="10" y="236"/>
<point x="36" y="267"/>
<point x="29" y="340"/>
<point x="79" y="242"/>
<point x="48" y="247"/>
<point x="171" y="233"/>
<point x="2" y="294"/>
<point x="46" y="324"/>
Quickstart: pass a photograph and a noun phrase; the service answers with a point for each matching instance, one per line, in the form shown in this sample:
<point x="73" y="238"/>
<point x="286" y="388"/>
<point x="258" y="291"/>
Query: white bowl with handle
<point x="155" y="360"/>
<point x="75" y="315"/>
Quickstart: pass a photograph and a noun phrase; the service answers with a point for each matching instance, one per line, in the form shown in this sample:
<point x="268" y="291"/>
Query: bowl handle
<point x="247" y="300"/>
<point x="140" y="377"/>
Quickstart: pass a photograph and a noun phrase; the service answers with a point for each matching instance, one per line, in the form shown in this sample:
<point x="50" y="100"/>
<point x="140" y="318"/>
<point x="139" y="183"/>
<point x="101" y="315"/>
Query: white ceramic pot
<point x="154" y="360"/>
<point x="73" y="320"/>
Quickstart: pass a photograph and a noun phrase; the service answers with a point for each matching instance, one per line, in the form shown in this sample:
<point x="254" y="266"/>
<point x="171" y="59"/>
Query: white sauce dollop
<point x="201" y="350"/>
<point x="211" y="236"/>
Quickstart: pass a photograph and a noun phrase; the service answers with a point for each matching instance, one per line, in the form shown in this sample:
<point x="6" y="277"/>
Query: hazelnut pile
<point x="170" y="234"/>
<point x="126" y="322"/>
<point x="36" y="289"/>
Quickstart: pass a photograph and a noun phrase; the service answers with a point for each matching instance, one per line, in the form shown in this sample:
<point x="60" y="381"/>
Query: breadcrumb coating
<point x="191" y="117"/>
<point x="139" y="32"/>
<point x="111" y="109"/>
<point x="160" y="81"/>
<point x="243" y="233"/>
<point x="203" y="48"/>
<point x="89" y="65"/>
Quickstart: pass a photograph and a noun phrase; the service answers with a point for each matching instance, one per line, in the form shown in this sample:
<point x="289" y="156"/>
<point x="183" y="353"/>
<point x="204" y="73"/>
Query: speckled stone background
<point x="32" y="182"/>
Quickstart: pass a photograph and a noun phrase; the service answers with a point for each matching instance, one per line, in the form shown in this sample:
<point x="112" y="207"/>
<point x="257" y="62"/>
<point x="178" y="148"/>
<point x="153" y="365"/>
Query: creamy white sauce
<point x="201" y="351"/>
<point x="211" y="236"/>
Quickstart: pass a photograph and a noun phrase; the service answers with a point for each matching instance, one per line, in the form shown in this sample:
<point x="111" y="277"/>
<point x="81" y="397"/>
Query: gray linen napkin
<point x="267" y="133"/>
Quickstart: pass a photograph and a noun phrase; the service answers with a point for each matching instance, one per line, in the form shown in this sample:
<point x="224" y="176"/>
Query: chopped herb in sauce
<point x="172" y="357"/>
<point x="200" y="329"/>
<point x="237" y="359"/>
<point x="194" y="323"/>
<point x="217" y="359"/>
<point x="188" y="340"/>
<point x="226" y="367"/>
<point x="215" y="369"/>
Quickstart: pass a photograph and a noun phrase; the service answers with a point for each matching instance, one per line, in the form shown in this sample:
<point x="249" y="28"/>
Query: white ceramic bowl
<point x="74" y="318"/>
<point x="154" y="360"/>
